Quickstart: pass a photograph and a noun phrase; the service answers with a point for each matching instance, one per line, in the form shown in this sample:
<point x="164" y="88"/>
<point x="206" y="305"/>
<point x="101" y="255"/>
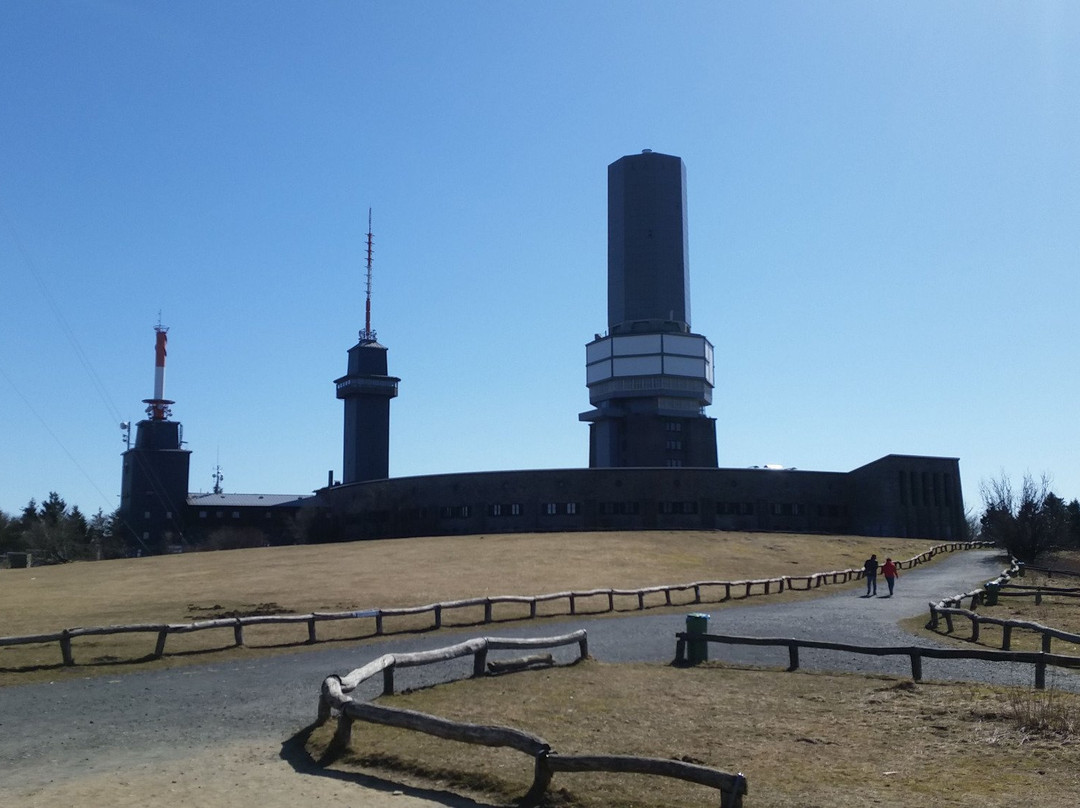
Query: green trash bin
<point x="990" y="597"/>
<point x="697" y="650"/>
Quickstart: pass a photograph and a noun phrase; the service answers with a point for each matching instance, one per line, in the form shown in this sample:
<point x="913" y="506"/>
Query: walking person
<point x="888" y="569"/>
<point x="870" y="567"/>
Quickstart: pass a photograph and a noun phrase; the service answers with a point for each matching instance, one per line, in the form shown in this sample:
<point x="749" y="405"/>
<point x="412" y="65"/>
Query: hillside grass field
<point x="363" y="575"/>
<point x="806" y="739"/>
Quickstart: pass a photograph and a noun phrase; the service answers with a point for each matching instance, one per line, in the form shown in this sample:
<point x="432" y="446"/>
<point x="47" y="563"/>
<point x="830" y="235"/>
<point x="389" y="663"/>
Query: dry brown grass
<point x="802" y="739"/>
<point x="401" y="572"/>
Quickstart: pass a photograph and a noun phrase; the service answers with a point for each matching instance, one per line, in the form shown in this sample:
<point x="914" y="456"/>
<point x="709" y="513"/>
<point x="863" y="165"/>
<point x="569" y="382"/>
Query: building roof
<point x="213" y="500"/>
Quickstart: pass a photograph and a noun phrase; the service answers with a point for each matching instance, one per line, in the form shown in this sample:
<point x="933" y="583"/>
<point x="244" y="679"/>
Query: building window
<point x="555" y="508"/>
<point x="454" y="511"/>
<point x="515" y="509"/>
<point x="678" y="507"/>
<point x="674" y="462"/>
<point x="674" y="445"/>
<point x="146" y="514"/>
<point x="202" y="514"/>
<point x="236" y="514"/>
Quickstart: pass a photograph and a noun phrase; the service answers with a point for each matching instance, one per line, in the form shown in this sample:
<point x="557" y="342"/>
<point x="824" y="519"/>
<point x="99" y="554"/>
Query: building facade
<point x="899" y="495"/>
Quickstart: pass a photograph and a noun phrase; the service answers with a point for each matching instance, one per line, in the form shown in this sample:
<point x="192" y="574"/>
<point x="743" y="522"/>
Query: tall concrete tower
<point x="154" y="482"/>
<point x="649" y="378"/>
<point x="367" y="390"/>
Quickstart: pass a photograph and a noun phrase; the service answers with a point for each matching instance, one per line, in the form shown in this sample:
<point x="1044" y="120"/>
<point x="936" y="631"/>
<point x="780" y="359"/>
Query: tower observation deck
<point x="650" y="377"/>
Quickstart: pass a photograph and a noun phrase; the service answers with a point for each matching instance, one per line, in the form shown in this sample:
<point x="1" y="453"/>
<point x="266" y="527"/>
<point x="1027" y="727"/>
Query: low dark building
<point x="898" y="495"/>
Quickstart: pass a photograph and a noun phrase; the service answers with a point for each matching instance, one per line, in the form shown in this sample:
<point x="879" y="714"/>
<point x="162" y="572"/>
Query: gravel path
<point x="92" y="726"/>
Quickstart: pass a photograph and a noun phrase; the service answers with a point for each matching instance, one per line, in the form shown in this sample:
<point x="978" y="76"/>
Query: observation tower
<point x="650" y="377"/>
<point x="366" y="390"/>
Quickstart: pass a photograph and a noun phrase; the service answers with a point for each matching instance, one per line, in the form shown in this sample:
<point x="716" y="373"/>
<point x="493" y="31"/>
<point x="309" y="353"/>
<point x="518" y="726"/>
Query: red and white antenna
<point x="368" y="335"/>
<point x="158" y="408"/>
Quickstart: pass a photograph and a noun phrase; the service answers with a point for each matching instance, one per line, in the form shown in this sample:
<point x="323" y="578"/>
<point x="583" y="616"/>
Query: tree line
<point x="1030" y="520"/>
<point x="56" y="533"/>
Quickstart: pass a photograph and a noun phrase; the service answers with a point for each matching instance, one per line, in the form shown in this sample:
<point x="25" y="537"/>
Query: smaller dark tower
<point x="154" y="483"/>
<point x="366" y="391"/>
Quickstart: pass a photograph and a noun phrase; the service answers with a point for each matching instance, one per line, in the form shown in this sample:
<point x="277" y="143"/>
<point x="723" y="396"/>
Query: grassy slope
<point x="401" y="572"/>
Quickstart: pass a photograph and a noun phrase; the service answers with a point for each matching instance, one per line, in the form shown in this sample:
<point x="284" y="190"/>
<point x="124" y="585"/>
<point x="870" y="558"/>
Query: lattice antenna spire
<point x="368" y="334"/>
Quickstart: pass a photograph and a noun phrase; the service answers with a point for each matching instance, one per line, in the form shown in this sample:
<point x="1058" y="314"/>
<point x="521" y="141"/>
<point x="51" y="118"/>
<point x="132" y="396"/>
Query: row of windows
<point x="513" y="509"/>
<point x="221" y="515"/>
<point x="633" y="508"/>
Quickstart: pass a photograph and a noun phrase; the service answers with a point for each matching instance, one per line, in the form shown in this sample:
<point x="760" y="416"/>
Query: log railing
<point x="1047" y="571"/>
<point x="914" y="652"/>
<point x="703" y="591"/>
<point x="334" y="697"/>
<point x="952" y="607"/>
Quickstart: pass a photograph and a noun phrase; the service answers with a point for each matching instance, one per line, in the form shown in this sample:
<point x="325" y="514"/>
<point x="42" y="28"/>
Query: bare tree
<point x="1028" y="523"/>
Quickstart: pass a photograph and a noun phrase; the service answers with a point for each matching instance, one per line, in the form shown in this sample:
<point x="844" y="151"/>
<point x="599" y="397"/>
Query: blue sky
<point x="883" y="206"/>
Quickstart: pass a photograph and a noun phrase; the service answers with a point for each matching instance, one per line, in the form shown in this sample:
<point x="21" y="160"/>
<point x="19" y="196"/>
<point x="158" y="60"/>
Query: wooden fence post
<point x="583" y="646"/>
<point x="916" y="667"/>
<point x="387" y="681"/>
<point x="342" y="736"/>
<point x="159" y="649"/>
<point x="238" y="633"/>
<point x="541" y="779"/>
<point x="1040" y="675"/>
<point x="1006" y="637"/>
<point x="311" y="635"/>
<point x="487" y="610"/>
<point x="974" y="628"/>
<point x="1046" y="638"/>
<point x="438" y="615"/>
<point x="65" y="647"/>
<point x="532" y="608"/>
<point x="573" y="604"/>
<point x="378" y="623"/>
<point x="793" y="656"/>
<point x="480" y="661"/>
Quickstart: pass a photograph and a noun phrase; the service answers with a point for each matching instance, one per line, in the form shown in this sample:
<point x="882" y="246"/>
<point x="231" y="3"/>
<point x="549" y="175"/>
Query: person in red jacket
<point x="888" y="569"/>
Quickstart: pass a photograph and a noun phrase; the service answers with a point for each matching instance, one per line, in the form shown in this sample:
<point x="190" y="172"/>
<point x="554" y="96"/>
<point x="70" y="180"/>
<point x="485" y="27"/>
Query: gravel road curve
<point x="89" y="726"/>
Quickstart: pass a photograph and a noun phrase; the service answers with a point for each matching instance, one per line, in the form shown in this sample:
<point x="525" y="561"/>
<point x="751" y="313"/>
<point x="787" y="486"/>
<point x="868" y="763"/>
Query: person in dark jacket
<point x="870" y="567"/>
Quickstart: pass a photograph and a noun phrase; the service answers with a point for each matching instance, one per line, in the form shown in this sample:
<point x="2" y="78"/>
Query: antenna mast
<point x="368" y="335"/>
<point x="158" y="408"/>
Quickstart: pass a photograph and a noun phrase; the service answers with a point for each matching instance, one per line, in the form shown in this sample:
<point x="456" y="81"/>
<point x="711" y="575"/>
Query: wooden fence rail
<point x="952" y="607"/>
<point x="916" y="653"/>
<point x="334" y="697"/>
<point x="1049" y="572"/>
<point x="701" y="590"/>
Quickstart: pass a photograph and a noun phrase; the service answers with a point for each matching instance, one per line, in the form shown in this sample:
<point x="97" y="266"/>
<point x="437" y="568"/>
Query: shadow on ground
<point x="294" y="752"/>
